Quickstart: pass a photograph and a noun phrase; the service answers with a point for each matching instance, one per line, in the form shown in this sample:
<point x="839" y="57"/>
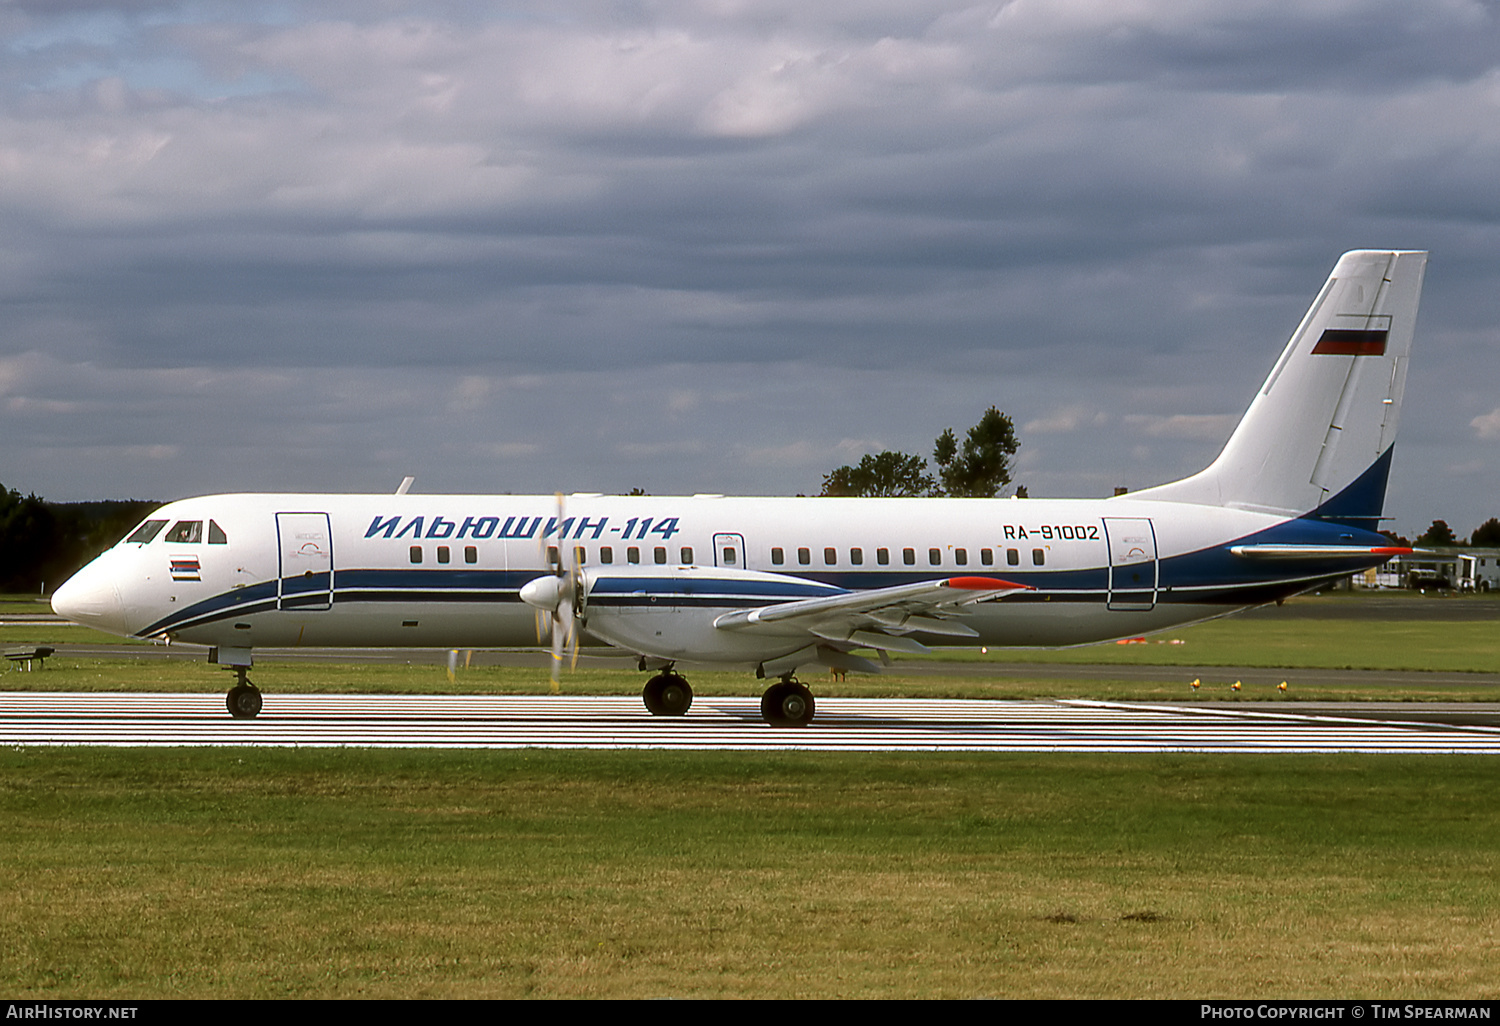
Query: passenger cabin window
<point x="607" y="554"/>
<point x="216" y="534"/>
<point x="471" y="554"/>
<point x="661" y="555"/>
<point x="778" y="557"/>
<point x="729" y="559"/>
<point x="987" y="557"/>
<point x="579" y="556"/>
<point x="186" y="531"/>
<point x="416" y="553"/>
<point x="442" y="553"/>
<point x="883" y="556"/>
<point x="551" y="555"/>
<point x="909" y="557"/>
<point x="961" y="557"/>
<point x="143" y="534"/>
<point x="857" y="556"/>
<point x="1039" y="556"/>
<point x="632" y="555"/>
<point x="1013" y="557"/>
<point x="804" y="556"/>
<point x="687" y="555"/>
<point x="830" y="556"/>
<point x="935" y="557"/>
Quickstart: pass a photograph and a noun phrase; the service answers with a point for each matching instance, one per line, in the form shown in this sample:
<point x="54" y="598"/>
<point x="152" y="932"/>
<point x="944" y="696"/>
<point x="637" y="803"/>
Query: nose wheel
<point x="244" y="698"/>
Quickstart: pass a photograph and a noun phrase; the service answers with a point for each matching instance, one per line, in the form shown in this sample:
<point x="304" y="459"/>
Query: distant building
<point x="1456" y="569"/>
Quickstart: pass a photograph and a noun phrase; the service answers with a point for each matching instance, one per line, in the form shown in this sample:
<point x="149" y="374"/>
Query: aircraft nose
<point x="90" y="598"/>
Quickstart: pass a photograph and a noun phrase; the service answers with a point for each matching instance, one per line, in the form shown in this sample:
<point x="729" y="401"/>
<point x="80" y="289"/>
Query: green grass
<point x="62" y="634"/>
<point x="359" y="873"/>
<point x="1355" y="644"/>
<point x="24" y="605"/>
<point x="189" y="674"/>
<point x="1312" y="644"/>
<point x="342" y="873"/>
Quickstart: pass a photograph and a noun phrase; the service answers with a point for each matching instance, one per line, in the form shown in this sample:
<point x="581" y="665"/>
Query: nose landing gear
<point x="244" y="698"/>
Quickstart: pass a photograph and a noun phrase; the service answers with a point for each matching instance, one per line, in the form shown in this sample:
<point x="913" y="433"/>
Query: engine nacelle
<point x="669" y="612"/>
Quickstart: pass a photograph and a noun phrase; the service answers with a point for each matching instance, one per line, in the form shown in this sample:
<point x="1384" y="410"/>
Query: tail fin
<point x="1317" y="437"/>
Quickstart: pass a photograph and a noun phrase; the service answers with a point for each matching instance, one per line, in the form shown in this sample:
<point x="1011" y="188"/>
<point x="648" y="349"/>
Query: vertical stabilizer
<point x="1317" y="437"/>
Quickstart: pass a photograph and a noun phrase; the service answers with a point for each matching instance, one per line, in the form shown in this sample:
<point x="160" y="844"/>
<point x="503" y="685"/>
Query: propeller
<point x="555" y="599"/>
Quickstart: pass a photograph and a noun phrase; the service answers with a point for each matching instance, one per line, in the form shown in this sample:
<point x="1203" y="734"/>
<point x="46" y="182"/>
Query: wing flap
<point x="869" y="618"/>
<point x="866" y="639"/>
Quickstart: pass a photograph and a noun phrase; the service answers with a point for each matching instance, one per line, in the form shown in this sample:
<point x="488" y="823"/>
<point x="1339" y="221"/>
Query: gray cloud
<point x="251" y="246"/>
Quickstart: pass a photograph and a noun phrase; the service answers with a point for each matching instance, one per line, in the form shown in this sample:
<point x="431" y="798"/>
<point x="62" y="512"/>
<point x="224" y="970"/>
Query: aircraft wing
<point x="877" y="618"/>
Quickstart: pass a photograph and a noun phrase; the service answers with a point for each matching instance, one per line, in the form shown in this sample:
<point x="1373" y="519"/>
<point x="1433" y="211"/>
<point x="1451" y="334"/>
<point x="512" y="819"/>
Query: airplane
<point x="1292" y="502"/>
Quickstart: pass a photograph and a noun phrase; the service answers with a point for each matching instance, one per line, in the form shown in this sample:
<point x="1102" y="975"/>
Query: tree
<point x="982" y="466"/>
<point x="979" y="468"/>
<point x="883" y="475"/>
<point x="1487" y="534"/>
<point x="1438" y="534"/>
<point x="28" y="536"/>
<point x="46" y="542"/>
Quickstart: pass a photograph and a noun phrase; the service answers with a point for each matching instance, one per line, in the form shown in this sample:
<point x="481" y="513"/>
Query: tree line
<point x="43" y="543"/>
<point x="1440" y="535"/>
<point x="977" y="468"/>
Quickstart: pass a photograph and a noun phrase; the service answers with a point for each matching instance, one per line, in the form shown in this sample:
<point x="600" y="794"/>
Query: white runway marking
<point x="843" y="724"/>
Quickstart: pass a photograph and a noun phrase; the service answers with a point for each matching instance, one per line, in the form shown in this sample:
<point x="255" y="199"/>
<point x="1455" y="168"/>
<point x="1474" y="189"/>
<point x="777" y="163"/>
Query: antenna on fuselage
<point x="405" y="485"/>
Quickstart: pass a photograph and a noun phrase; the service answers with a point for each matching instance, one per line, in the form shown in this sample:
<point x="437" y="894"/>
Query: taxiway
<point x="447" y="721"/>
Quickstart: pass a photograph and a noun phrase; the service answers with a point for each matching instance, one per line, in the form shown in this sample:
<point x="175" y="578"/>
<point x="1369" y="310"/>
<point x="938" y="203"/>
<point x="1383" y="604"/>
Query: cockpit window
<point x="216" y="534"/>
<point x="186" y="531"/>
<point x="141" y="535"/>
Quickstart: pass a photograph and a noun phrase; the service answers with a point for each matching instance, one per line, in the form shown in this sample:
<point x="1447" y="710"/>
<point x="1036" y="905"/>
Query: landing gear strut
<point x="667" y="694"/>
<point x="787" y="704"/>
<point x="244" y="698"/>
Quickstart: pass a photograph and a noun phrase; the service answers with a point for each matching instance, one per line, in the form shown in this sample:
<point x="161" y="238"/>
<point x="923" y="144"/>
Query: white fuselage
<point x="333" y="570"/>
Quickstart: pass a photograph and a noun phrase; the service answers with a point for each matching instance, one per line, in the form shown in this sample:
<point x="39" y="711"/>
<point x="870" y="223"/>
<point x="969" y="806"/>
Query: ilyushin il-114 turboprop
<point x="776" y="584"/>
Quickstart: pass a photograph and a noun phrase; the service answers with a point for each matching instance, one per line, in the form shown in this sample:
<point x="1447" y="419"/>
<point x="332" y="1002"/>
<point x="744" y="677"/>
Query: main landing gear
<point x="244" y="698"/>
<point x="667" y="694"/>
<point x="787" y="704"/>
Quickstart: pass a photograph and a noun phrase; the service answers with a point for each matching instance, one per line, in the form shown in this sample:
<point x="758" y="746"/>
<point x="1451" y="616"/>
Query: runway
<point x="852" y="725"/>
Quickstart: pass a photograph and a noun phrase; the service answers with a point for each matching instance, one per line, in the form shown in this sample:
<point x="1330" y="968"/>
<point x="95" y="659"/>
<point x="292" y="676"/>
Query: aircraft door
<point x="729" y="551"/>
<point x="1132" y="563"/>
<point x="305" y="549"/>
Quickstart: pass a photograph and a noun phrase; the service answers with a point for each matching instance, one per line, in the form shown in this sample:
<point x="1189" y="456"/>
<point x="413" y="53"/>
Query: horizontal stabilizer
<point x="1317" y="552"/>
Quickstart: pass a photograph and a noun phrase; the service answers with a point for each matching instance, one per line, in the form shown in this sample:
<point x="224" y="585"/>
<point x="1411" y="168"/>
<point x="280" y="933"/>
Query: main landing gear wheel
<point x="788" y="704"/>
<point x="667" y="694"/>
<point x="244" y="701"/>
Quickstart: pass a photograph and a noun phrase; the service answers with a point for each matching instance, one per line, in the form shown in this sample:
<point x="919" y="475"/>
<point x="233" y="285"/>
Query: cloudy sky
<point x="720" y="246"/>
